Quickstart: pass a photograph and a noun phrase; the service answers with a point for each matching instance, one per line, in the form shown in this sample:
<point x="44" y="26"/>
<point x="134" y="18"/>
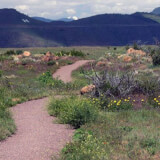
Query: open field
<point x="91" y="52"/>
<point x="116" y="119"/>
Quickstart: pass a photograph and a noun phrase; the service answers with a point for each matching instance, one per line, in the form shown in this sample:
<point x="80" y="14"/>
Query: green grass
<point x="7" y="126"/>
<point x="126" y="135"/>
<point x="153" y="17"/>
<point x="91" y="52"/>
<point x="123" y="135"/>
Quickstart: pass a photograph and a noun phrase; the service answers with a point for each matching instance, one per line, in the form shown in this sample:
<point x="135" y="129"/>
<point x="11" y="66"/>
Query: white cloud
<point x="44" y="14"/>
<point x="56" y="9"/>
<point x="70" y="11"/>
<point x="22" y="7"/>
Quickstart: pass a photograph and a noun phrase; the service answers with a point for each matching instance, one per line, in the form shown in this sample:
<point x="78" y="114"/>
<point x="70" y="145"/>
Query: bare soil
<point x="65" y="72"/>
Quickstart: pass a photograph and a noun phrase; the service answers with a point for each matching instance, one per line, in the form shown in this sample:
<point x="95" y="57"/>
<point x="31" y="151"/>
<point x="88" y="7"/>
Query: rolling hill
<point x="19" y="30"/>
<point x="42" y="19"/>
<point x="156" y="11"/>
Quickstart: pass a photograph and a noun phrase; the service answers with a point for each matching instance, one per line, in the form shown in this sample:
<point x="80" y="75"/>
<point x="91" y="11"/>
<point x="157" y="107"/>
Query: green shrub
<point x="149" y="86"/>
<point x="18" y="52"/>
<point x="51" y="63"/>
<point x="114" y="85"/>
<point x="154" y="101"/>
<point x="150" y="144"/>
<point x="136" y="46"/>
<point x="127" y="47"/>
<point x="156" y="57"/>
<point x="4" y="57"/>
<point x="7" y="126"/>
<point x="9" y="53"/>
<point x="119" y="105"/>
<point x="75" y="111"/>
<point x="155" y="54"/>
<point x="85" y="147"/>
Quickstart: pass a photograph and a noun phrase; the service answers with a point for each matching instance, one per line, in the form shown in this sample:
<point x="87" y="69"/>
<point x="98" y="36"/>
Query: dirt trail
<point x="65" y="72"/>
<point x="37" y="138"/>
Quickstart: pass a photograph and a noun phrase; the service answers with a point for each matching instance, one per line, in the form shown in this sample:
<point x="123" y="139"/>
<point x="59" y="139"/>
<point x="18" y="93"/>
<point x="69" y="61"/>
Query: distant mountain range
<point x="42" y="19"/>
<point x="156" y="11"/>
<point x="20" y="30"/>
<point x="68" y="19"/>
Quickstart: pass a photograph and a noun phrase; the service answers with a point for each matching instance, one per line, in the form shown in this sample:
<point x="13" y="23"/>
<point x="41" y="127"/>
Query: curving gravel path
<point x="65" y="72"/>
<point x="37" y="138"/>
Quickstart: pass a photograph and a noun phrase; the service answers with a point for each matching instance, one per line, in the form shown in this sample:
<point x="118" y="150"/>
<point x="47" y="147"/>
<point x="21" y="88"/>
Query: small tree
<point x="155" y="54"/>
<point x="135" y="46"/>
<point x="127" y="47"/>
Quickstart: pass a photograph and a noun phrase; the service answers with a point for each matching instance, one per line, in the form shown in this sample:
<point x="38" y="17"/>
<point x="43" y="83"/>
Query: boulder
<point x="127" y="58"/>
<point x="48" y="54"/>
<point x="87" y="89"/>
<point x="46" y="58"/>
<point x="55" y="58"/>
<point x="101" y="63"/>
<point x="16" y="100"/>
<point x="132" y="51"/>
<point x="26" y="53"/>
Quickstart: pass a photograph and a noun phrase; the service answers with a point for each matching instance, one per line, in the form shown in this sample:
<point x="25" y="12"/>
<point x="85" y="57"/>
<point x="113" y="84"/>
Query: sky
<point x="55" y="9"/>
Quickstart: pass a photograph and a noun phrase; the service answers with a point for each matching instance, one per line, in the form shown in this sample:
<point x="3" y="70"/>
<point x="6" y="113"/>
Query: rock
<point x="55" y="58"/>
<point x="46" y="58"/>
<point x="87" y="89"/>
<point x="121" y="56"/>
<point x="11" y="76"/>
<point x="101" y="63"/>
<point x="26" y="53"/>
<point x="48" y="54"/>
<point x="20" y="56"/>
<point x="127" y="58"/>
<point x="132" y="51"/>
<point x="16" y="100"/>
<point x="57" y="63"/>
<point x="16" y="58"/>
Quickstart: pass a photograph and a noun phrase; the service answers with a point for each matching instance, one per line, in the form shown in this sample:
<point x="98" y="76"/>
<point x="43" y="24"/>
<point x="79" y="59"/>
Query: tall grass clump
<point x="7" y="125"/>
<point x="47" y="79"/>
<point x="73" y="110"/>
<point x="71" y="53"/>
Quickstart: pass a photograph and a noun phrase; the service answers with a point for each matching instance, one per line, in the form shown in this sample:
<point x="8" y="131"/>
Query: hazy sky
<point x="81" y="8"/>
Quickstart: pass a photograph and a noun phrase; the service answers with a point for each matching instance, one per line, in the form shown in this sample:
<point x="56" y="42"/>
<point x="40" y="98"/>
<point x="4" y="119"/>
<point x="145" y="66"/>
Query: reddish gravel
<point x="37" y="137"/>
<point x="65" y="72"/>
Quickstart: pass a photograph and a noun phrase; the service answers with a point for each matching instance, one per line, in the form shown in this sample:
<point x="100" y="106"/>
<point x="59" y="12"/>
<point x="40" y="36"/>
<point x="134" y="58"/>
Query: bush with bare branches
<point x="114" y="85"/>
